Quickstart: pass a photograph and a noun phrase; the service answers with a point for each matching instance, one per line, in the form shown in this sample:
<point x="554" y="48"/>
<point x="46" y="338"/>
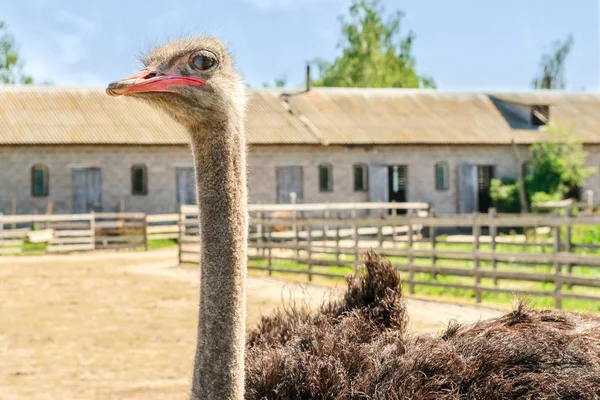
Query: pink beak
<point x="151" y="80"/>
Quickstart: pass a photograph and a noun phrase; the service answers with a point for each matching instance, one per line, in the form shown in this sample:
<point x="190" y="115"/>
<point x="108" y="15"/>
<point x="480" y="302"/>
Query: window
<point x="325" y="178"/>
<point x="139" y="180"/>
<point x="39" y="181"/>
<point x="442" y="176"/>
<point x="540" y="115"/>
<point x="360" y="178"/>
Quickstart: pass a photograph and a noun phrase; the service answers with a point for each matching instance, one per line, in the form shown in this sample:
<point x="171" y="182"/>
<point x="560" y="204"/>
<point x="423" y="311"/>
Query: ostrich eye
<point x="203" y="62"/>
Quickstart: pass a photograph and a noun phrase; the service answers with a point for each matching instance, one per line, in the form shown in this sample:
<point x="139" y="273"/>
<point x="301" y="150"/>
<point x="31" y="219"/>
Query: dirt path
<point x="122" y="325"/>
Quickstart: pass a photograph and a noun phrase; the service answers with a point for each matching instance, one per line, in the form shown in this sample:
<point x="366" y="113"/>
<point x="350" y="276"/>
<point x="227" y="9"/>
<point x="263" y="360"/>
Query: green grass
<point x="469" y="295"/>
<point x="29" y="249"/>
<point x="38" y="249"/>
<point x="161" y="243"/>
<point x="33" y="249"/>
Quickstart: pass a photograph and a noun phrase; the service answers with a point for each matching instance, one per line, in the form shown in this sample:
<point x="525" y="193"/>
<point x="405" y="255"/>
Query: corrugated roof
<point x="385" y="116"/>
<point x="354" y="116"/>
<point x="49" y="115"/>
<point x="579" y="110"/>
<point x="41" y="115"/>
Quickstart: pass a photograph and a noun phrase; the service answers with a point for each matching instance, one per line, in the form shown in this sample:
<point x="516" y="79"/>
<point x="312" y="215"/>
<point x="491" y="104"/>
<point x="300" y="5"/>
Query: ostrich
<point x="354" y="348"/>
<point x="194" y="81"/>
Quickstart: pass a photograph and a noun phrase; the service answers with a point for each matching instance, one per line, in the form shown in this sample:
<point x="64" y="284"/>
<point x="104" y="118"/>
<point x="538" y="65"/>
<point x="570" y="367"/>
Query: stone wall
<point x="161" y="161"/>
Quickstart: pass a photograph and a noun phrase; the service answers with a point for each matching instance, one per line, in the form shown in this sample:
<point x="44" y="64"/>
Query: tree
<point x="558" y="163"/>
<point x="552" y="66"/>
<point x="558" y="170"/>
<point x="11" y="65"/>
<point x="374" y="53"/>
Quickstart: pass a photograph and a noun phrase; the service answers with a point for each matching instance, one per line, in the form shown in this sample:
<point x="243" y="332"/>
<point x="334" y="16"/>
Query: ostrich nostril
<point x="150" y="75"/>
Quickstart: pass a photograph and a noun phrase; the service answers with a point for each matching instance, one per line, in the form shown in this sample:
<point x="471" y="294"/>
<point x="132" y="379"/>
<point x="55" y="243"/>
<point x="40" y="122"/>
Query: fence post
<point x="568" y="242"/>
<point x="259" y="233"/>
<point x="476" y="259"/>
<point x="493" y="232"/>
<point x="93" y="228"/>
<point x="13" y="210"/>
<point x="411" y="265"/>
<point x="309" y="261"/>
<point x="326" y="226"/>
<point x="355" y="236"/>
<point x="293" y="198"/>
<point x="432" y="239"/>
<point x="380" y="229"/>
<point x="49" y="208"/>
<point x="557" y="268"/>
<point x="1" y="228"/>
<point x="180" y="234"/>
<point x="394" y="233"/>
<point x="269" y="230"/>
<point x="337" y="240"/>
<point x="145" y="232"/>
<point x="590" y="201"/>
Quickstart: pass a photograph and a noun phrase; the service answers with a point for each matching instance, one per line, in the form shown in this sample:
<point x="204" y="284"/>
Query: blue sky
<point x="464" y="44"/>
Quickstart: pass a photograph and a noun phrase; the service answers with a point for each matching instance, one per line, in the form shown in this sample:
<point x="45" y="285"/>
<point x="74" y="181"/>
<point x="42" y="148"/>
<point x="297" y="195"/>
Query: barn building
<point x="82" y="151"/>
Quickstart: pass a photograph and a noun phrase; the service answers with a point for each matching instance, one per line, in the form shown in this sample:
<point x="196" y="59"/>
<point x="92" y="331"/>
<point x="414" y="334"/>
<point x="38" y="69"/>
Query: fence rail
<point x="547" y="263"/>
<point x="543" y="259"/>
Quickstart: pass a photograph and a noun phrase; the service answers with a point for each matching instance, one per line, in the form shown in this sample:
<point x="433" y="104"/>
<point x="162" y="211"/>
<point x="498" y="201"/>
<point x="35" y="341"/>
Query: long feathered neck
<point x="220" y="162"/>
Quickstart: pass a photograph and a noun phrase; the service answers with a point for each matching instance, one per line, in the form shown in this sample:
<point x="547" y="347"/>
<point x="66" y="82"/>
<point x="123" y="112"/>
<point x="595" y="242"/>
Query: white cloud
<point x="64" y="56"/>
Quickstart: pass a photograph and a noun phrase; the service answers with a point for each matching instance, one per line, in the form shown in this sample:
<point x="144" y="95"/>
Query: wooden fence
<point x="327" y="240"/>
<point x="122" y="230"/>
<point x="72" y="232"/>
<point x="62" y="233"/>
<point x="548" y="260"/>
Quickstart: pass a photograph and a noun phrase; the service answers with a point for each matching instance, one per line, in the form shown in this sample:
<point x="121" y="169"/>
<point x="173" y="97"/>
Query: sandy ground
<point x="121" y="325"/>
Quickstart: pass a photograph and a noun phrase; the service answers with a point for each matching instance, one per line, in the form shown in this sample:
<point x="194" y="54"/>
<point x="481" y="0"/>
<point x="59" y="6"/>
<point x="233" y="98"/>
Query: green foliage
<point x="541" y="197"/>
<point x="505" y="195"/>
<point x="374" y="53"/>
<point x="558" y="163"/>
<point x="11" y="65"/>
<point x="552" y="66"/>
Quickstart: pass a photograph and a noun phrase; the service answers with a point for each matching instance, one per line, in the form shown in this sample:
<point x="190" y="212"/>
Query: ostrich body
<point x="194" y="81"/>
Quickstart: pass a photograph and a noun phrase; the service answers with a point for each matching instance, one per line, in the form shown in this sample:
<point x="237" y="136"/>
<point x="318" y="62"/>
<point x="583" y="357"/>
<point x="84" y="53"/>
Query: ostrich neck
<point x="220" y="164"/>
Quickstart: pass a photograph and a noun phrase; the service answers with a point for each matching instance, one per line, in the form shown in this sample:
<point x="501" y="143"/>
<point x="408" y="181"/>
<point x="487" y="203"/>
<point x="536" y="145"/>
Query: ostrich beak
<point x="151" y="80"/>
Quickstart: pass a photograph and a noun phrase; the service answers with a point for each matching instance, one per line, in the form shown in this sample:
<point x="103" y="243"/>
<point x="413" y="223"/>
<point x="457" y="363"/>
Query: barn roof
<point x="50" y="115"/>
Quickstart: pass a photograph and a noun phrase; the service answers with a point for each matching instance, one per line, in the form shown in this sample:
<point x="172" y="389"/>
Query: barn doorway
<point x="87" y="190"/>
<point x="485" y="174"/>
<point x="289" y="180"/>
<point x="398" y="184"/>
<point x="186" y="185"/>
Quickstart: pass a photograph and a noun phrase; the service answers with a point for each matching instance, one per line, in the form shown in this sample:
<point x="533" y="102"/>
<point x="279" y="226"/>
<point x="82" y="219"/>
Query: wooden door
<point x="467" y="188"/>
<point x="378" y="185"/>
<point x="87" y="190"/>
<point x="289" y="180"/>
<point x="186" y="185"/>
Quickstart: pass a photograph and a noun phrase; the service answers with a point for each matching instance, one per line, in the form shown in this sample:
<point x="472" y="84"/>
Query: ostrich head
<point x="193" y="80"/>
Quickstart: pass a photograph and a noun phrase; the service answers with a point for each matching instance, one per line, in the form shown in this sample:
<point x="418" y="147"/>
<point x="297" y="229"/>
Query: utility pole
<point x="522" y="198"/>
